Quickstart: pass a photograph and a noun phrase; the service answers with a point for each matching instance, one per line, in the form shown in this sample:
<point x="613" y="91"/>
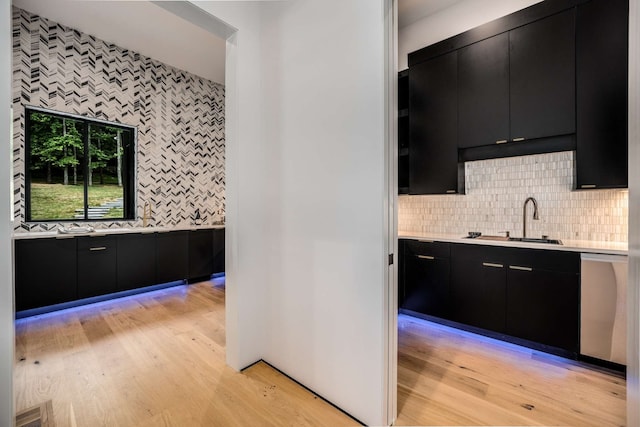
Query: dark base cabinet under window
<point x="426" y="282"/>
<point x="97" y="268"/>
<point x="136" y="261"/>
<point x="218" y="250"/>
<point x="45" y="272"/>
<point x="172" y="254"/>
<point x="200" y="253"/>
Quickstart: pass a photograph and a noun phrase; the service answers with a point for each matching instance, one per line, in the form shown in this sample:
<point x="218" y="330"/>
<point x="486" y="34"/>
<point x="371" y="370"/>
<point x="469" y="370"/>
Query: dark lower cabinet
<point x="97" y="266"/>
<point x="218" y="250"/>
<point x="172" y="256"/>
<point x="45" y="272"/>
<point x="136" y="255"/>
<point x="200" y="253"/>
<point x="478" y="286"/>
<point x="426" y="282"/>
<point x="543" y="306"/>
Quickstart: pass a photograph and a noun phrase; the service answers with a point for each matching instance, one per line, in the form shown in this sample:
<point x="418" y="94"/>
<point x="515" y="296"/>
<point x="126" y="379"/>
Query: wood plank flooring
<point x="158" y="359"/>
<point x="451" y="377"/>
<point x="155" y="359"/>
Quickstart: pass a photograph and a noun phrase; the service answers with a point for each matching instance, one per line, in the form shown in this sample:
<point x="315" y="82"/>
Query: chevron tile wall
<point x="179" y="116"/>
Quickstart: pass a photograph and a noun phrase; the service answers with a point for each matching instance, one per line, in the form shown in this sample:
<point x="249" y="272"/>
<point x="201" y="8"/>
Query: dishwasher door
<point x="603" y="307"/>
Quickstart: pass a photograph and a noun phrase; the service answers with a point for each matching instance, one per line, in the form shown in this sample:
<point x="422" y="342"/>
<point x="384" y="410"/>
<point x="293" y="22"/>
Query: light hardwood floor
<point x="158" y="359"/>
<point x="451" y="377"/>
<point x="155" y="359"/>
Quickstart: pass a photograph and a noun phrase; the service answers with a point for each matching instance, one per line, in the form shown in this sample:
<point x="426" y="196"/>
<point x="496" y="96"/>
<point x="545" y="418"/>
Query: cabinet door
<point x="97" y="261"/>
<point x="483" y="92"/>
<point x="542" y="76"/>
<point x="200" y="253"/>
<point x="433" y="126"/>
<point x="426" y="285"/>
<point x="45" y="272"/>
<point x="218" y="250"/>
<point x="136" y="255"/>
<point x="543" y="306"/>
<point x="478" y="286"/>
<point x="602" y="91"/>
<point x="172" y="254"/>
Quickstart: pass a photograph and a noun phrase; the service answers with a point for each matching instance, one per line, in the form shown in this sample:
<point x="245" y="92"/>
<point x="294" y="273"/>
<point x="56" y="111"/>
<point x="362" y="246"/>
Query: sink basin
<point x="535" y="240"/>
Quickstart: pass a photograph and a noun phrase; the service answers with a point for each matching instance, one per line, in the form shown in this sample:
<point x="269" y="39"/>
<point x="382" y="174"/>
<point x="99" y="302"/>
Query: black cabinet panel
<point x="426" y="282"/>
<point x="483" y="92"/>
<point x="543" y="306"/>
<point x="200" y="253"/>
<point x="97" y="266"/>
<point x="45" y="272"/>
<point x="433" y="126"/>
<point x="478" y="286"/>
<point x="542" y="77"/>
<point x="602" y="92"/>
<point x="136" y="260"/>
<point x="218" y="250"/>
<point x="172" y="254"/>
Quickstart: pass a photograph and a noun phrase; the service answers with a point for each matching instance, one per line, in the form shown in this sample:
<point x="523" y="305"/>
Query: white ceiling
<point x="410" y="11"/>
<point x="143" y="27"/>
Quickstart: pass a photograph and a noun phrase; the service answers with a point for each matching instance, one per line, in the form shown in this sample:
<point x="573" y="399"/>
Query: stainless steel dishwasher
<point x="603" y="307"/>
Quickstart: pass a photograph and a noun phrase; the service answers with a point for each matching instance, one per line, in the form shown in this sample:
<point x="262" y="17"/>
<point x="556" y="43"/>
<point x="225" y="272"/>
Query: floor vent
<point x="37" y="416"/>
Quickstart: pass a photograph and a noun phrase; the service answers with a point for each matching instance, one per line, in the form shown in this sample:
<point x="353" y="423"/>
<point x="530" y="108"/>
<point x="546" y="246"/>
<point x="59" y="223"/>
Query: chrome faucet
<point x="524" y="214"/>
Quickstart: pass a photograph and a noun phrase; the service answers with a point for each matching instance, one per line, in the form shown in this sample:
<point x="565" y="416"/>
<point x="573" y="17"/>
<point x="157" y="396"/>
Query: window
<point x="78" y="169"/>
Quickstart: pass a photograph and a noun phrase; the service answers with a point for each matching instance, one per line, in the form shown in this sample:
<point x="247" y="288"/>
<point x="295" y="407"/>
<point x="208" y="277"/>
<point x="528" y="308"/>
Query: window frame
<point x="129" y="162"/>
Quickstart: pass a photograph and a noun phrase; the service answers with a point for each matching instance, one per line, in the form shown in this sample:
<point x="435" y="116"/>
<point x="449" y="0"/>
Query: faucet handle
<point x="506" y="233"/>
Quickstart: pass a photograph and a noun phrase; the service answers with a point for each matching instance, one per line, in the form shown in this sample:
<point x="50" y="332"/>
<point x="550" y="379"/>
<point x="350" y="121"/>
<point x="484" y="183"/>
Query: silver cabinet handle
<point x="588" y="186"/>
<point x="501" y="141"/>
<point x="519" y="268"/>
<point x="451" y="191"/>
<point x="425" y="257"/>
<point x="491" y="264"/>
<point x="518" y="139"/>
<point x="98" y="248"/>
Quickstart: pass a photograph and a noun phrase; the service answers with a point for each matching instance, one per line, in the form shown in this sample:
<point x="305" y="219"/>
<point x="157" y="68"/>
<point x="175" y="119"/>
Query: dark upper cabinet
<point x="172" y="255"/>
<point x="218" y="250"/>
<point x="543" y="297"/>
<point x="479" y="286"/>
<point x="97" y="266"/>
<point x="136" y="254"/>
<point x="483" y="92"/>
<point x="433" y="126"/>
<point x="45" y="272"/>
<point x="426" y="278"/>
<point x="542" y="77"/>
<point x="200" y="253"/>
<point x="602" y="94"/>
<point x="403" y="132"/>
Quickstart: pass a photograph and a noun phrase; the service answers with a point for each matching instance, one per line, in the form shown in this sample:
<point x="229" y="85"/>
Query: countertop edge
<point x="107" y="231"/>
<point x="583" y="246"/>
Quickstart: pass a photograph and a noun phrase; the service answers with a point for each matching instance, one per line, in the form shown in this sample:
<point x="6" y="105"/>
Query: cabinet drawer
<point x="430" y="249"/>
<point x="542" y="259"/>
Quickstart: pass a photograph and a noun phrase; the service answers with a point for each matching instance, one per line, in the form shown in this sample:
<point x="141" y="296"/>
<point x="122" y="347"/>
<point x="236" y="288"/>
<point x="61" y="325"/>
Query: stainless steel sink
<point x="534" y="240"/>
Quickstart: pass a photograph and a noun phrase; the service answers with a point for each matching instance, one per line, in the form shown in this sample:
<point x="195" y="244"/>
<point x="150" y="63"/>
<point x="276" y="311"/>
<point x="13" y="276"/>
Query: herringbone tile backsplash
<point x="496" y="190"/>
<point x="179" y="116"/>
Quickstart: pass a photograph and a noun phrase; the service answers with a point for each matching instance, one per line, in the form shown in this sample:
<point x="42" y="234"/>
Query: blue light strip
<point x="115" y="298"/>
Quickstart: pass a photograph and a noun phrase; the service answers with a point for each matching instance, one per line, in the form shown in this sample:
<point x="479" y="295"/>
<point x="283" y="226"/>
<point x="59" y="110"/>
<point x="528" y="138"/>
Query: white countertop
<point x="110" y="231"/>
<point x="586" y="246"/>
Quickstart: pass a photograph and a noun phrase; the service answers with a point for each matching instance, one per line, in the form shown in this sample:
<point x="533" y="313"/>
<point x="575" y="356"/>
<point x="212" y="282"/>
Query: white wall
<point x="633" y="292"/>
<point x="306" y="196"/>
<point x="6" y="281"/>
<point x="454" y="20"/>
